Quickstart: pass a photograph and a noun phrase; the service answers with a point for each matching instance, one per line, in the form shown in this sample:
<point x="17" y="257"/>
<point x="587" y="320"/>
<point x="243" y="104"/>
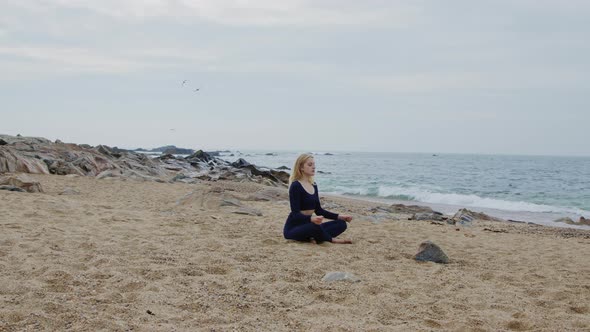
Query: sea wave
<point x="427" y="196"/>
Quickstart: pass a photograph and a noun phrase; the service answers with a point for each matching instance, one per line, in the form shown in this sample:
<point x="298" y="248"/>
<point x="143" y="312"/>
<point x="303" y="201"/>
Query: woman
<point x="302" y="225"/>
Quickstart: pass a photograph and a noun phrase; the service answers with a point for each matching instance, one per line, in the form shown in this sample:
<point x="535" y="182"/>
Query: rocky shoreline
<point x="37" y="155"/>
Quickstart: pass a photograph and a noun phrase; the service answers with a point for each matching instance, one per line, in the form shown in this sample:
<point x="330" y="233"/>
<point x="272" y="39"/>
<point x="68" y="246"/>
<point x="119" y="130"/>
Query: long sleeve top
<point x="300" y="200"/>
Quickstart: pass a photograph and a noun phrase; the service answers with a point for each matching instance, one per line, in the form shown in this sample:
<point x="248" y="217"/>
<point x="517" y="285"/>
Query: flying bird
<point x="196" y="90"/>
<point x="184" y="82"/>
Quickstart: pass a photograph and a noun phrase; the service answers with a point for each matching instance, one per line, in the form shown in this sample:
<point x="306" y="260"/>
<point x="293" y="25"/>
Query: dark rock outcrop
<point x="41" y="156"/>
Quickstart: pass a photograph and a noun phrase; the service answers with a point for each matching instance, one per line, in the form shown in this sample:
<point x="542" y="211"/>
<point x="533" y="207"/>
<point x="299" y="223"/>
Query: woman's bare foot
<point x="342" y="241"/>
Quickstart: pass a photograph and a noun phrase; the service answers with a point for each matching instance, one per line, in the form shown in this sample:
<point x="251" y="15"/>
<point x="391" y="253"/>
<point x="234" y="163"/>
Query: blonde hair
<point x="296" y="174"/>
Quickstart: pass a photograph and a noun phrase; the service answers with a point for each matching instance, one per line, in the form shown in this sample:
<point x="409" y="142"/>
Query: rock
<point x="270" y="194"/>
<point x="427" y="216"/>
<point x="340" y="276"/>
<point x="566" y="220"/>
<point x="584" y="221"/>
<point x="428" y="251"/>
<point x="12" y="188"/>
<point x="465" y="217"/>
<point x="248" y="211"/>
<point x="69" y="191"/>
<point x="200" y="156"/>
<point x="228" y="201"/>
<point x="284" y="168"/>
<point x="174" y="150"/>
<point x="22" y="181"/>
<point x="3" y="142"/>
<point x="240" y="163"/>
<point x="280" y="175"/>
<point x="41" y="156"/>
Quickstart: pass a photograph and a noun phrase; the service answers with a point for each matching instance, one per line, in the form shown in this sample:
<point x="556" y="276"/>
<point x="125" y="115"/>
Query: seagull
<point x="184" y="82"/>
<point x="172" y="129"/>
<point x="196" y="90"/>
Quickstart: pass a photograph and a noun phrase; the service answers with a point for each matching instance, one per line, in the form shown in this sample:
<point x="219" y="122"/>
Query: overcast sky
<point x="497" y="76"/>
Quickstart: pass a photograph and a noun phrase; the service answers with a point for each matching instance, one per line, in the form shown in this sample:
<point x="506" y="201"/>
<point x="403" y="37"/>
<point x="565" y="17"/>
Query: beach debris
<point x="23" y="182"/>
<point x="429" y="251"/>
<point x="340" y="276"/>
<point x="149" y="312"/>
<point x="427" y="216"/>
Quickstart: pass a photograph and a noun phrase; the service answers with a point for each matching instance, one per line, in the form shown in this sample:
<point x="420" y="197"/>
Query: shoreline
<point x="537" y="218"/>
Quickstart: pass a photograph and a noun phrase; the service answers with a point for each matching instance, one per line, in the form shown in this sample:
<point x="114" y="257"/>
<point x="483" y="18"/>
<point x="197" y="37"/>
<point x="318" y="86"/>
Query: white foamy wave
<point x="351" y="191"/>
<point x="425" y="196"/>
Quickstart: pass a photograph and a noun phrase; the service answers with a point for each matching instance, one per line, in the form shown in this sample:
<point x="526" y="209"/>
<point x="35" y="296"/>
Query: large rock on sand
<point x="428" y="251"/>
<point x="21" y="181"/>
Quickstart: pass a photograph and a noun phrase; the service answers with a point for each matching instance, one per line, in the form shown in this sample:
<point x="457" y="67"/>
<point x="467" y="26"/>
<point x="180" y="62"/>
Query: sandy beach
<point x="125" y="255"/>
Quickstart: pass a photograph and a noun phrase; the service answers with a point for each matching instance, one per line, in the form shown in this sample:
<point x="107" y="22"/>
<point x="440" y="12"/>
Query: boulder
<point x="584" y="221"/>
<point x="280" y="175"/>
<point x="199" y="156"/>
<point x="465" y="217"/>
<point x="428" y="251"/>
<point x="12" y="188"/>
<point x="22" y="181"/>
<point x="240" y="163"/>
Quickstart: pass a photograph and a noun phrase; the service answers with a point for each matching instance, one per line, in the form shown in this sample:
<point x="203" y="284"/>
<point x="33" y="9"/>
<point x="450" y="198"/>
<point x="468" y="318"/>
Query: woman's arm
<point x="320" y="211"/>
<point x="330" y="215"/>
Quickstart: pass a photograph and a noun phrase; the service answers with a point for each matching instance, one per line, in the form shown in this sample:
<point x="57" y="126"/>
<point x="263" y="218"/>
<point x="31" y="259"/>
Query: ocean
<point x="537" y="189"/>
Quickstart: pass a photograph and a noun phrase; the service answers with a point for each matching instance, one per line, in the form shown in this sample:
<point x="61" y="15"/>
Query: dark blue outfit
<point x="299" y="226"/>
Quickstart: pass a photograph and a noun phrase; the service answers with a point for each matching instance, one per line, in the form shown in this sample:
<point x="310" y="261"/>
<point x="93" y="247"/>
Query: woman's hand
<point x="317" y="219"/>
<point x="345" y="217"/>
